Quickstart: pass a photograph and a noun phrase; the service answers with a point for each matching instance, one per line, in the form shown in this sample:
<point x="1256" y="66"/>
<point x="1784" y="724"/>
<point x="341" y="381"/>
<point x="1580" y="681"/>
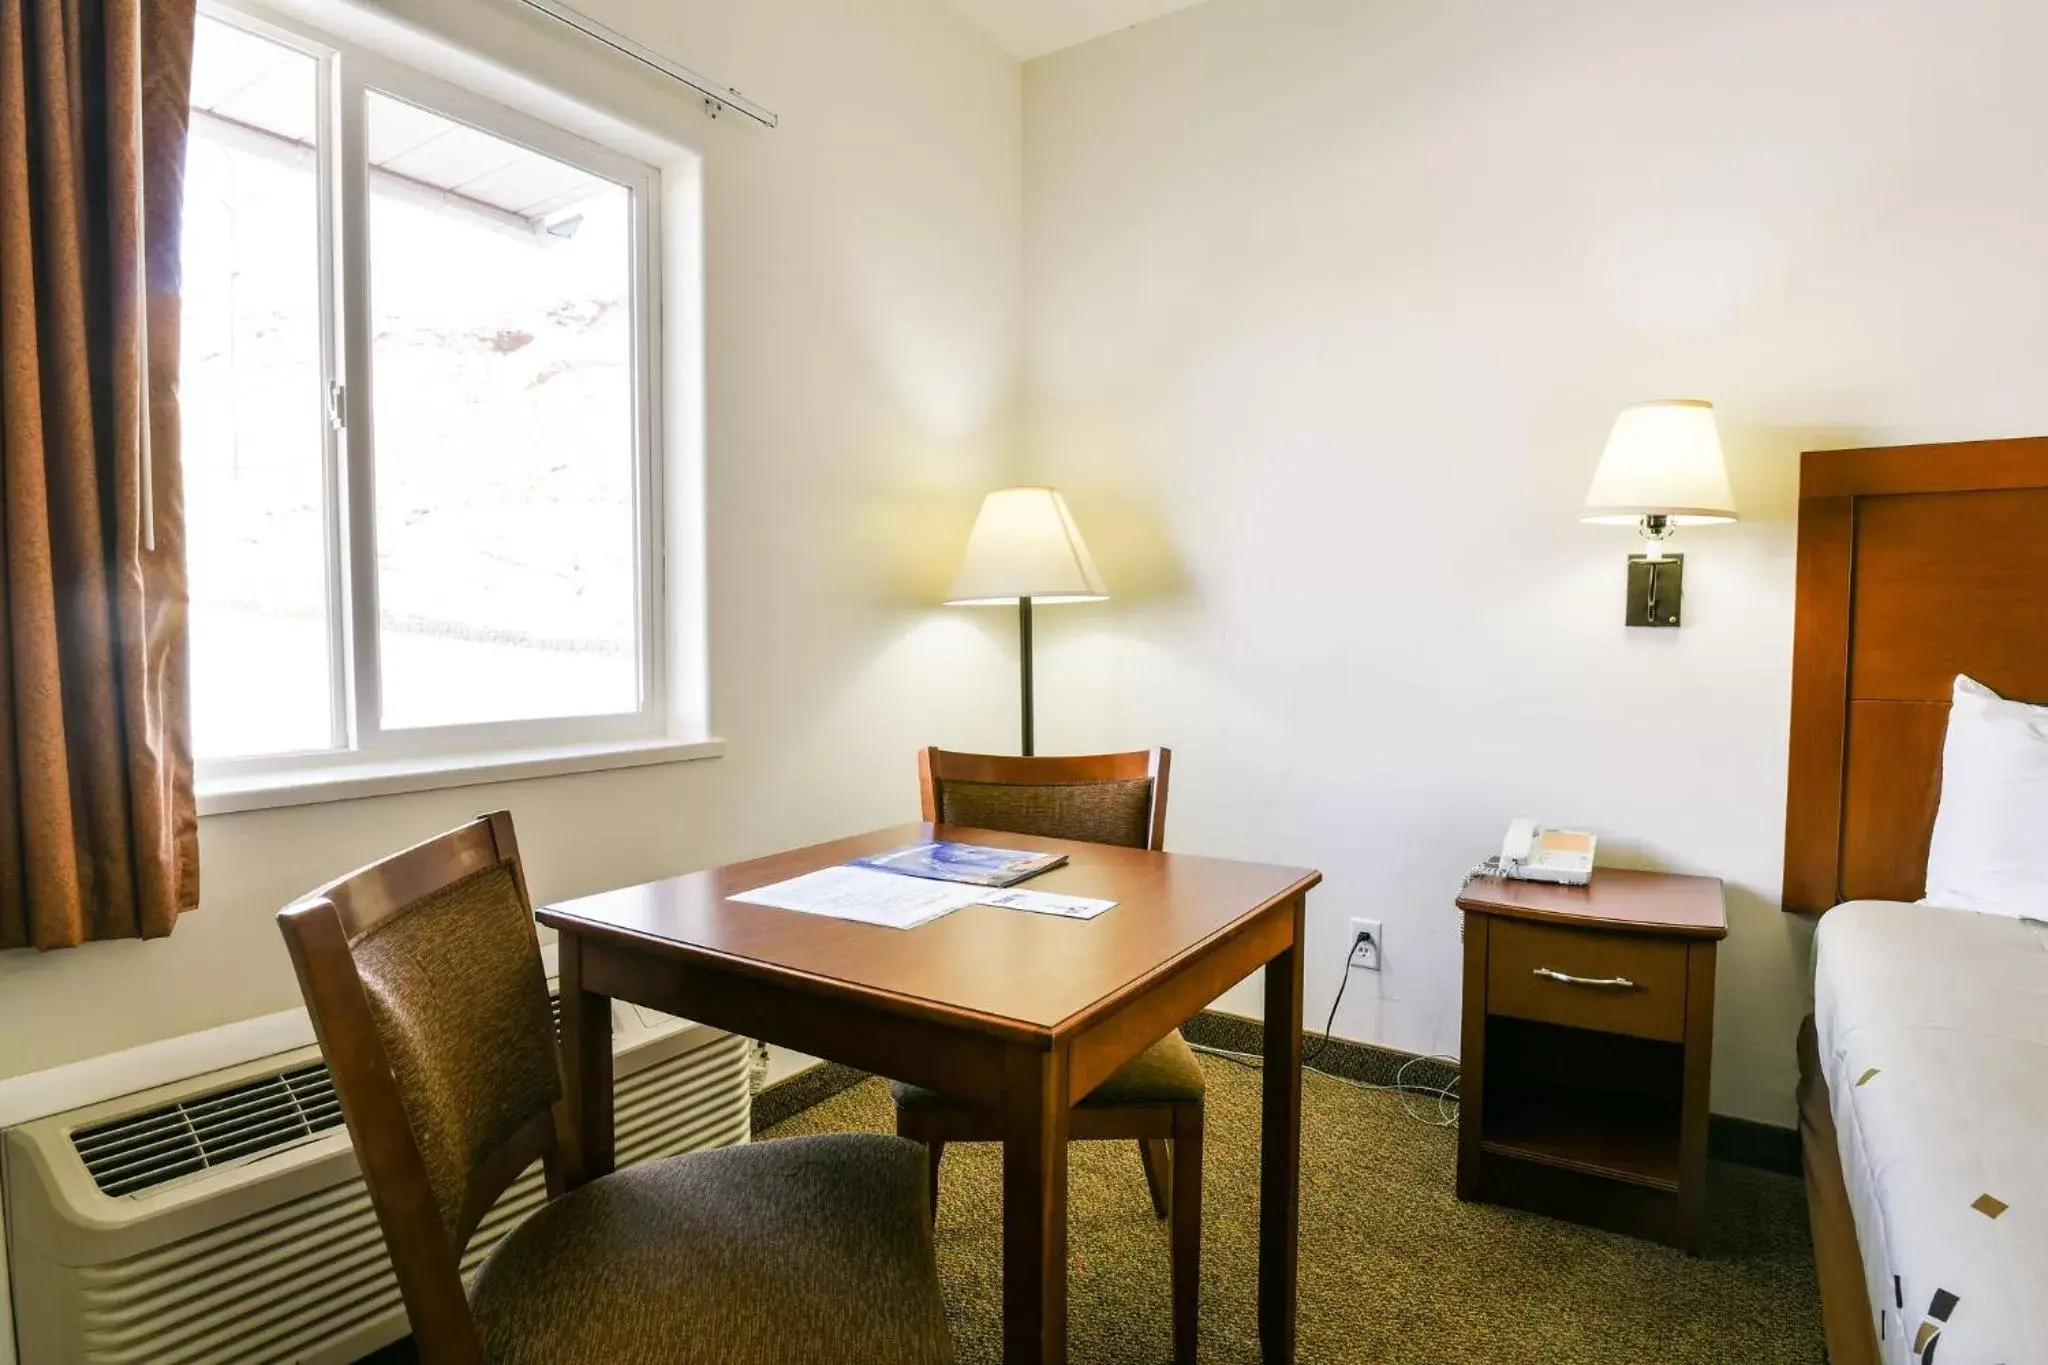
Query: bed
<point x="1924" y="1068"/>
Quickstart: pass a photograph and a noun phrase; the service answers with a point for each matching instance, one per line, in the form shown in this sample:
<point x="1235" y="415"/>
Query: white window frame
<point x="365" y="757"/>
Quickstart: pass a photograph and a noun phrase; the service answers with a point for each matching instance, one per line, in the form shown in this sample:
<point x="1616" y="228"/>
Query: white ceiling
<point x="1032" y="28"/>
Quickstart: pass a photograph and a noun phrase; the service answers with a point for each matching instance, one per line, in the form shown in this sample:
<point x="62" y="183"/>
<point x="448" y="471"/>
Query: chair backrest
<point x="424" y="979"/>
<point x="1095" y="798"/>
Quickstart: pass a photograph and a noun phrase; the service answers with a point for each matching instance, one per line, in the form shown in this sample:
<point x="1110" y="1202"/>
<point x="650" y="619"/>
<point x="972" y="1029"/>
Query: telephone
<point x="1532" y="853"/>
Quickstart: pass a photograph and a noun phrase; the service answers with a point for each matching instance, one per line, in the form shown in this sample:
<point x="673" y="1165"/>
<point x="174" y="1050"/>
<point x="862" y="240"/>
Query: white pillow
<point x="1990" y="848"/>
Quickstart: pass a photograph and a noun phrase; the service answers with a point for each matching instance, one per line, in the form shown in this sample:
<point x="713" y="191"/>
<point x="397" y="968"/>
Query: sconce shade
<point x="1025" y="544"/>
<point x="1663" y="459"/>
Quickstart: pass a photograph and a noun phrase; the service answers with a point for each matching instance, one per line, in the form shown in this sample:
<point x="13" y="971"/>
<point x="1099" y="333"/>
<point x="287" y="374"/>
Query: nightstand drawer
<point x="1616" y="983"/>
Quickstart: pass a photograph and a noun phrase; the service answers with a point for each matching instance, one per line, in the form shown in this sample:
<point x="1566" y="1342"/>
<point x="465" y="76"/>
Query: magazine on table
<point x="973" y="864"/>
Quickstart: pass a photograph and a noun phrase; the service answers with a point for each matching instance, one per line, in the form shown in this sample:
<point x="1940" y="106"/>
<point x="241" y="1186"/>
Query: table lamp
<point x="1662" y="469"/>
<point x="1025" y="548"/>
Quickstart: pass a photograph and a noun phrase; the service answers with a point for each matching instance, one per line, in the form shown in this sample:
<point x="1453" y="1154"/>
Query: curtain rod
<point x="716" y="100"/>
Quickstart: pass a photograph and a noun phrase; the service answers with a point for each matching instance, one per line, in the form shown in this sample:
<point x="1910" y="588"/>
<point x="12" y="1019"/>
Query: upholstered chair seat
<point x="1165" y="1073"/>
<point x="810" y="1251"/>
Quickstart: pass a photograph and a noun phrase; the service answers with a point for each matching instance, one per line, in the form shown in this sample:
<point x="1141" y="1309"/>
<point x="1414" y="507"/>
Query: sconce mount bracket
<point x="1656" y="589"/>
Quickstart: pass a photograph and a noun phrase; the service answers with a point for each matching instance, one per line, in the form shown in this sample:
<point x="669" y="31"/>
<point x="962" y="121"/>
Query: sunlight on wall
<point x="1346" y="344"/>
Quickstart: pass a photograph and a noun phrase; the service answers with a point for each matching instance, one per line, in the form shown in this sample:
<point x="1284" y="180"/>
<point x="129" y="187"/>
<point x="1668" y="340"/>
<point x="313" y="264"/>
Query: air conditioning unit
<point x="223" y="1218"/>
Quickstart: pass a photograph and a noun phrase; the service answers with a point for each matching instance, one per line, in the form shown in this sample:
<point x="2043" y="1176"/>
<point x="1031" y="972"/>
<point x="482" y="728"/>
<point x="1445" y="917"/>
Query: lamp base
<point x="1656" y="590"/>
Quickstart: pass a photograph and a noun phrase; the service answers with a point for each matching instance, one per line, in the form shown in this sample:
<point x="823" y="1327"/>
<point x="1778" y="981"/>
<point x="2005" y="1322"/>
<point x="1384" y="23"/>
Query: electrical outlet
<point x="1366" y="944"/>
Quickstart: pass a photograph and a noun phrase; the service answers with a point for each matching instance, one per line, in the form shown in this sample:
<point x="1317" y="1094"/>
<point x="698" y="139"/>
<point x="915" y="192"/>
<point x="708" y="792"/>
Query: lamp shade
<point x="1025" y="544"/>
<point x="1663" y="459"/>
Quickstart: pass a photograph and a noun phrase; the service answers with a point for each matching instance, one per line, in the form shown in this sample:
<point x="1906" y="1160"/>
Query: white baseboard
<point x="784" y="1063"/>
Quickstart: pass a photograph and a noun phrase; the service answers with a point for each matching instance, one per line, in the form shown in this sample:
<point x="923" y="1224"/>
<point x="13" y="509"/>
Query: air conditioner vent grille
<point x="152" y="1148"/>
<point x="306" y="1277"/>
<point x="142" y="1151"/>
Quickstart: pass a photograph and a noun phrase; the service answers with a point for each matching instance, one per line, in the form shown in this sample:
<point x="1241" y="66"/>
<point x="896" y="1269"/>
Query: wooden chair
<point x="423" y="976"/>
<point x="1156" y="1098"/>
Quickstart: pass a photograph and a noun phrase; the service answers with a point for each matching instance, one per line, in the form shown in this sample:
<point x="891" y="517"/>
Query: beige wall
<point x="863" y="276"/>
<point x="1329" y="304"/>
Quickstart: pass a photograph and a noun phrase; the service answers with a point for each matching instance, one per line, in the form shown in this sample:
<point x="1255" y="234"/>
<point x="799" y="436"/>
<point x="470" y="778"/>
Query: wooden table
<point x="1023" y="1012"/>
<point x="1589" y="1041"/>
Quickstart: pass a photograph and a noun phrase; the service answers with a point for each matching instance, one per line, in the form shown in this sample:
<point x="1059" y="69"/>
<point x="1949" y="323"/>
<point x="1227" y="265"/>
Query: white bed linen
<point x="1933" y="1033"/>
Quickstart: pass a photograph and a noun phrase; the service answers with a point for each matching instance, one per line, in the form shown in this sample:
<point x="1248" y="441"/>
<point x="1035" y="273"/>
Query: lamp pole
<point x="1024" y="663"/>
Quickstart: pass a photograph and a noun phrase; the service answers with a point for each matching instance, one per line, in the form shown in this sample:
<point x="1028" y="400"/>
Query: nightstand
<point x="1588" y="1044"/>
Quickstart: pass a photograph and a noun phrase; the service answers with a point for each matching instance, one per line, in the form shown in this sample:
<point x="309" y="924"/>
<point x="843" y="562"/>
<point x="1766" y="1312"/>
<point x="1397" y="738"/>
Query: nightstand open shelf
<point x="1640" y="1149"/>
<point x="1588" y="1033"/>
<point x="1620" y="1137"/>
<point x="1588" y="1101"/>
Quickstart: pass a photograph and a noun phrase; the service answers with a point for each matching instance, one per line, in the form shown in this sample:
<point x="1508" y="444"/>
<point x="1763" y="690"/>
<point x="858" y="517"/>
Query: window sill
<point x="315" y="785"/>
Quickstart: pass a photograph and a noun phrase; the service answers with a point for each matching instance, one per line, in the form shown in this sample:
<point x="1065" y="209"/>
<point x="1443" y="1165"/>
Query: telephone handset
<point x="1532" y="853"/>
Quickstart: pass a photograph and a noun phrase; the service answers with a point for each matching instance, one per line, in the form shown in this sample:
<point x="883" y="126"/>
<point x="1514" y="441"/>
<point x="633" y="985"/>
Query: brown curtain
<point x="97" y="826"/>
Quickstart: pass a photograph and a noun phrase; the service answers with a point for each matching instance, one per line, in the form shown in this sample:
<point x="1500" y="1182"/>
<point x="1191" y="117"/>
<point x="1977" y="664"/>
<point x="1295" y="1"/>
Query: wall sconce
<point x="1662" y="469"/>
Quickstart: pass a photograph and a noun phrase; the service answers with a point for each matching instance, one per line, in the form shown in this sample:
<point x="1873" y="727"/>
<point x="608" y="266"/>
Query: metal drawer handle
<point x="1614" y="983"/>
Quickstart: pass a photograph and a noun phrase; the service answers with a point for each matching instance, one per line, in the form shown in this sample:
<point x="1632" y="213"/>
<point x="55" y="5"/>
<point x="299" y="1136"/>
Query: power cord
<point x="1342" y="982"/>
<point x="1446" y="1097"/>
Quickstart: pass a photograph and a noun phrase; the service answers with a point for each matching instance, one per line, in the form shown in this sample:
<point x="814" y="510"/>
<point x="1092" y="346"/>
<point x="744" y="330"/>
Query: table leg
<point x="1280" y="1151"/>
<point x="587" y="1069"/>
<point x="1035" y="1123"/>
<point x="1187" y="1234"/>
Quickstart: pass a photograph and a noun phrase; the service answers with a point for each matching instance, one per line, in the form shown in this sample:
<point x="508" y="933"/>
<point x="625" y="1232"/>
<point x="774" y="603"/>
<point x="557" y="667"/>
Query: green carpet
<point x="1393" y="1267"/>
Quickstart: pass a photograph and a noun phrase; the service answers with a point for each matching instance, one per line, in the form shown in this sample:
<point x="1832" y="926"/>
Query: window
<point x="418" y="366"/>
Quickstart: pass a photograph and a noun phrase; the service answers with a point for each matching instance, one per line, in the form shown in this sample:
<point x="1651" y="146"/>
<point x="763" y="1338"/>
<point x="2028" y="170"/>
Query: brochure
<point x="863" y="895"/>
<point x="973" y="864"/>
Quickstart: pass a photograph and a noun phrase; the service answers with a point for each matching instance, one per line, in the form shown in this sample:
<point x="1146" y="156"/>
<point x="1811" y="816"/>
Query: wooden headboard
<point x="1916" y="563"/>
